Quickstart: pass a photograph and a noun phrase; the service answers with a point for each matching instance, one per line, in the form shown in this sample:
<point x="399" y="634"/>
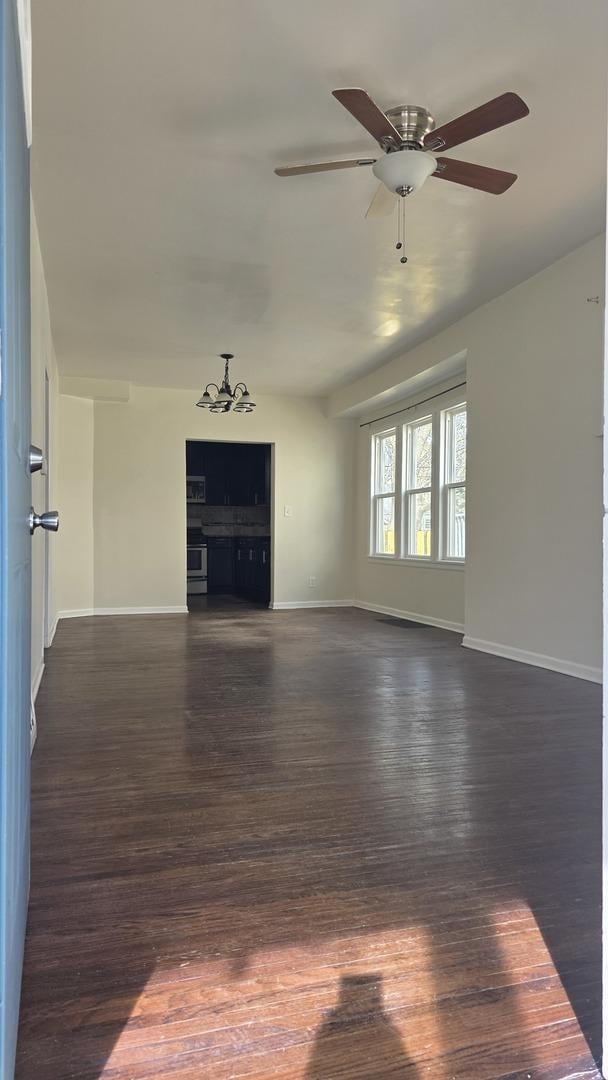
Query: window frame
<point x="378" y="497"/>
<point x="409" y="490"/>
<point x="449" y="485"/>
<point x="439" y="412"/>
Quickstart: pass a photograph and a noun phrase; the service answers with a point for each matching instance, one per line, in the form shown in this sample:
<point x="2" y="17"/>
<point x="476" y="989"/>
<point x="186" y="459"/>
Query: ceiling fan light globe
<point x="405" y="169"/>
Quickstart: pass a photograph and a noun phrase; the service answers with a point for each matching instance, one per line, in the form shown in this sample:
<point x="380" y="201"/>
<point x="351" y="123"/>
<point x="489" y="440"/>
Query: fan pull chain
<point x="400" y="245"/>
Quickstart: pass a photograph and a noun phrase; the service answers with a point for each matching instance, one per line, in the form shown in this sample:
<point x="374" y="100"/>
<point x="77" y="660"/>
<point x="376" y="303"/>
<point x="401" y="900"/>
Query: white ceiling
<point x="167" y="238"/>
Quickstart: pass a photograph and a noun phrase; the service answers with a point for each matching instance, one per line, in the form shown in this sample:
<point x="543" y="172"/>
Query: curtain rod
<point x="414" y="406"/>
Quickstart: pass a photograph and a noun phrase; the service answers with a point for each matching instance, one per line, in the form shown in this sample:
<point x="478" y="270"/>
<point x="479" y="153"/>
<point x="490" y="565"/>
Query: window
<point x="384" y="487"/>
<point x="417" y="502"/>
<point x="454" y="482"/>
<point x="418" y="489"/>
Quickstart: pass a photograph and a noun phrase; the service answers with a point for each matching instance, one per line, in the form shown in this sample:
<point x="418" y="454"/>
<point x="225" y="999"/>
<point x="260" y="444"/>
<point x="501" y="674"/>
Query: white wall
<point x="532" y="586"/>
<point x="138" y="536"/>
<point x="534" y="575"/>
<point x="42" y="360"/>
<point x="74" y="493"/>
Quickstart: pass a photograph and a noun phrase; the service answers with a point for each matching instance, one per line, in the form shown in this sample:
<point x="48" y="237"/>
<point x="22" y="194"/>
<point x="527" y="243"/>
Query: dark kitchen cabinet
<point x="258" y="476"/>
<point x="238" y="474"/>
<point x="239" y="481"/>
<point x="252" y="568"/>
<point x="220" y="564"/>
<point x="196" y="458"/>
<point x="247" y="475"/>
<point x="264" y="570"/>
<point x="241" y="571"/>
<point x="217" y="465"/>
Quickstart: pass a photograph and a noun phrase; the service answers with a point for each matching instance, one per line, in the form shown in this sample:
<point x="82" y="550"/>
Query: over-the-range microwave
<point x="196" y="489"/>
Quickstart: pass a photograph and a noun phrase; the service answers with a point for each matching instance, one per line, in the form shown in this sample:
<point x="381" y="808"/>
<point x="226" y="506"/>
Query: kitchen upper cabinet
<point x="249" y="485"/>
<point x="239" y="486"/>
<point x="238" y="474"/>
<point x="218" y="462"/>
<point x="196" y="458"/>
<point x="259" y="476"/>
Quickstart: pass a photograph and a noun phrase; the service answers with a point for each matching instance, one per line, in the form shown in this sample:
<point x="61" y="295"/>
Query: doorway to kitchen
<point x="228" y="514"/>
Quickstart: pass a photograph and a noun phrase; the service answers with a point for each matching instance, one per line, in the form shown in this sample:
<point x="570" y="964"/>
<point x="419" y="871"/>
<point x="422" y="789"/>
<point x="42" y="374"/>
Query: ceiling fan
<point x="410" y="141"/>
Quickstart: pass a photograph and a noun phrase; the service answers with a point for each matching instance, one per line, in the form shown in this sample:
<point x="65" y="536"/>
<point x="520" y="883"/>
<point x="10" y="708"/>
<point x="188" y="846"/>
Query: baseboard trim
<point x="293" y="605"/>
<point x="180" y="609"/>
<point x="37" y="679"/>
<point x="523" y="656"/>
<point x="412" y="616"/>
<point x="51" y="634"/>
<point x="172" y="609"/>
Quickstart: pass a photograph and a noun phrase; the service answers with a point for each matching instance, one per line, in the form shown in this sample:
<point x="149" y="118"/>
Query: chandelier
<point x="225" y="398"/>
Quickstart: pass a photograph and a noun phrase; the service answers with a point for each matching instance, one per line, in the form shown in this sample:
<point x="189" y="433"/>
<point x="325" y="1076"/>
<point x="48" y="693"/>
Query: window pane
<point x="422" y="455"/>
<point x="385" y="462"/>
<point x="419" y="518"/>
<point x="385" y="526"/>
<point x="456" y="512"/>
<point x="457" y="449"/>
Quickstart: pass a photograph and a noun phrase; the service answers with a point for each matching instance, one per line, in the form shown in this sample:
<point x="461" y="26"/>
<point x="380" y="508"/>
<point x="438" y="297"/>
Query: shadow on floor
<point x="357" y="1038"/>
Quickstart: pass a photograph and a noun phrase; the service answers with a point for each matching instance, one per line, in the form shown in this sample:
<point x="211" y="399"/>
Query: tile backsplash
<point x="230" y="520"/>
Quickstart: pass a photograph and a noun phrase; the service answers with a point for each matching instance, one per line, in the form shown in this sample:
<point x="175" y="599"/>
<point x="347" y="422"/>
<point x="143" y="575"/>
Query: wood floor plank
<point x="322" y="845"/>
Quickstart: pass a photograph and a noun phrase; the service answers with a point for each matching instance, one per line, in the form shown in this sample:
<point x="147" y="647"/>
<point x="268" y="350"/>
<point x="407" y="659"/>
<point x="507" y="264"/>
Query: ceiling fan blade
<point x="383" y="203"/>
<point x="476" y="176"/>
<point x="361" y="106"/>
<point x="323" y="166"/>
<point x="494" y="114"/>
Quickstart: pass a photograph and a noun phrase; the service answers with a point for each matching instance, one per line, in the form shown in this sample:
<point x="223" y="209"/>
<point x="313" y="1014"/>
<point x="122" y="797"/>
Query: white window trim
<point x="411" y="414"/>
<point x="407" y="492"/>
<point x="445" y="485"/>
<point x="377" y="496"/>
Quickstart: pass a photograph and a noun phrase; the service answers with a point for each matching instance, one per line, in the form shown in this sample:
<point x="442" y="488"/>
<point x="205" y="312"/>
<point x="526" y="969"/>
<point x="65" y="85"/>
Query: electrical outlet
<point x="312" y="582"/>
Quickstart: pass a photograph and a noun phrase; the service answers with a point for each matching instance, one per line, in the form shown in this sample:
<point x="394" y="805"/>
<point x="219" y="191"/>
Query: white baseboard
<point x="523" y="656"/>
<point x="180" y="609"/>
<point x="37" y="679"/>
<point x="412" y="616"/>
<point x="173" y="609"/>
<point x="51" y="634"/>
<point x="293" y="605"/>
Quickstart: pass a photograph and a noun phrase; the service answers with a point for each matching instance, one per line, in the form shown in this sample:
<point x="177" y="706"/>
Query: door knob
<point x="36" y="458"/>
<point x="48" y="520"/>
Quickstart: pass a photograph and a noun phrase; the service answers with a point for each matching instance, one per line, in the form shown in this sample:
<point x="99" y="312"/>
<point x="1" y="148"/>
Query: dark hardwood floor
<point x="322" y="844"/>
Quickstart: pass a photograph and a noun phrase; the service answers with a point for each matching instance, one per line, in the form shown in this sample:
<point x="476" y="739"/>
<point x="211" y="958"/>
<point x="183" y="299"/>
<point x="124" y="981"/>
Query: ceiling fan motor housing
<point x="412" y="122"/>
<point x="404" y="171"/>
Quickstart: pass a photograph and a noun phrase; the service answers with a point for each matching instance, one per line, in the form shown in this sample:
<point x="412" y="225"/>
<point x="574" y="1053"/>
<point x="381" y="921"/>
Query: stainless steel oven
<point x="196" y="568"/>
